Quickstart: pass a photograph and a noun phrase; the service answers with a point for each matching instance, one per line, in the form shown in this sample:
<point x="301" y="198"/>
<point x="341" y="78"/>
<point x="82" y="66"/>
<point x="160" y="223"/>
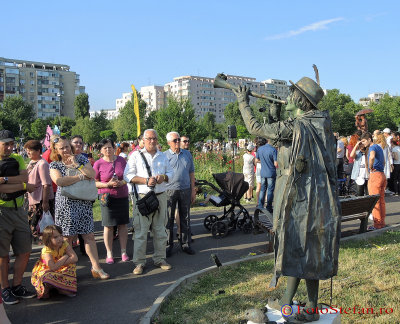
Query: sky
<point x="113" y="44"/>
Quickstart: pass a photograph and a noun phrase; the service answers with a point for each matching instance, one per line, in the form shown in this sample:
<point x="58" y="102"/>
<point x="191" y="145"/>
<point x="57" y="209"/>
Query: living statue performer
<point x="306" y="211"/>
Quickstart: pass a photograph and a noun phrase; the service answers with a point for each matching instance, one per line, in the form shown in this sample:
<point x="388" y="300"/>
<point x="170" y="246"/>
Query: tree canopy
<point x="81" y="104"/>
<point x="16" y="112"/>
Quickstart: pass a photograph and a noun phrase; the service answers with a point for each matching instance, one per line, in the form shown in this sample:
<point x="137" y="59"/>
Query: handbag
<point x="81" y="190"/>
<point x="149" y="203"/>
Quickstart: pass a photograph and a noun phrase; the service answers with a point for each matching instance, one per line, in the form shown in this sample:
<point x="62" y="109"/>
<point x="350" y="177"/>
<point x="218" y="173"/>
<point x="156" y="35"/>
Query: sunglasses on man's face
<point x="186" y="141"/>
<point x="176" y="140"/>
<point x="57" y="139"/>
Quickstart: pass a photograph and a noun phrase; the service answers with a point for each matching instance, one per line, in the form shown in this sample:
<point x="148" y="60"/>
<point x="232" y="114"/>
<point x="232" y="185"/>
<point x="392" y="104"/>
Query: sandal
<point x="100" y="274"/>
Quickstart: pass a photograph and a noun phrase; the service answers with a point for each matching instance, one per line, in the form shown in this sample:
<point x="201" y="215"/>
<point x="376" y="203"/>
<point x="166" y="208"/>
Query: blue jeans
<point x="267" y="184"/>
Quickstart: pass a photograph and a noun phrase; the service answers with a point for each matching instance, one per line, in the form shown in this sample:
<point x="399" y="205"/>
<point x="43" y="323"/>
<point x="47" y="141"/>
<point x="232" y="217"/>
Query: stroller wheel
<point x="219" y="229"/>
<point x="247" y="227"/>
<point x="240" y="223"/>
<point x="209" y="221"/>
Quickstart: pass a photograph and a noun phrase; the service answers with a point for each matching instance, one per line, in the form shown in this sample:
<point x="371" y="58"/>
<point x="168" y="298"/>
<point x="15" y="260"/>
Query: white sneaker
<point x="370" y="217"/>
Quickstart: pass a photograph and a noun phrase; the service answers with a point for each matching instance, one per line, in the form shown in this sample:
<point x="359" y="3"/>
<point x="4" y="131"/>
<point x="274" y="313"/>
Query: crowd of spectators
<point x="126" y="172"/>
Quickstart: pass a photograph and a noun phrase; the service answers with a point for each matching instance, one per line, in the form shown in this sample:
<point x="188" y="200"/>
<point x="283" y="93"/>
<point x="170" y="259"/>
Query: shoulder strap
<point x="148" y="171"/>
<point x="145" y="162"/>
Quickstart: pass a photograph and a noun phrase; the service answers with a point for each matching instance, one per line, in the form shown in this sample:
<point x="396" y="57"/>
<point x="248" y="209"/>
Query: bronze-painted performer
<point x="306" y="212"/>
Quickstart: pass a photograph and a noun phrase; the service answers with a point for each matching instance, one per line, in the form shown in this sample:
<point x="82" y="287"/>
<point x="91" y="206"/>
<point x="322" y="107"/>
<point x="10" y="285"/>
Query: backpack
<point x="9" y="167"/>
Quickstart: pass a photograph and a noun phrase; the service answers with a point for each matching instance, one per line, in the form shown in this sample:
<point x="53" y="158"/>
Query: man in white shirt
<point x="136" y="173"/>
<point x="386" y="133"/>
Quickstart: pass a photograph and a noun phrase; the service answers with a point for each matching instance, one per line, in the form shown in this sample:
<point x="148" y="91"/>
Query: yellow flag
<point x="136" y="108"/>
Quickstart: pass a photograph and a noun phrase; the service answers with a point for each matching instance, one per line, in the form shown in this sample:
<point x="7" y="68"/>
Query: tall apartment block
<point x="205" y="98"/>
<point x="50" y="88"/>
<point x="154" y="96"/>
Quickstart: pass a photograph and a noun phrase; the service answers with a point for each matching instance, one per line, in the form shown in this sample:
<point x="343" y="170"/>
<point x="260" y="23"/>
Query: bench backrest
<point x="358" y="205"/>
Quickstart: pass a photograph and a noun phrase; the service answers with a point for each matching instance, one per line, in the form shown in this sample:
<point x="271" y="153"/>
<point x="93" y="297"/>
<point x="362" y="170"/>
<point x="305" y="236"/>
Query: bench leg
<point x="363" y="224"/>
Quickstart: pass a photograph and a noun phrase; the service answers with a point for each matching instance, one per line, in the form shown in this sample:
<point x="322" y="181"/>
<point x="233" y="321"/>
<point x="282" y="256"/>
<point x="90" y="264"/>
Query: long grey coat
<point x="306" y="210"/>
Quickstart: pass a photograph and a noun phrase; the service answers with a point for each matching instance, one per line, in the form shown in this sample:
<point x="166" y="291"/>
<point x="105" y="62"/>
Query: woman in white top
<point x="248" y="171"/>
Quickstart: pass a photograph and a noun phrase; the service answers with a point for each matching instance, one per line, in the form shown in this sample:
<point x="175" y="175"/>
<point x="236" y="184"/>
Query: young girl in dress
<point x="56" y="267"/>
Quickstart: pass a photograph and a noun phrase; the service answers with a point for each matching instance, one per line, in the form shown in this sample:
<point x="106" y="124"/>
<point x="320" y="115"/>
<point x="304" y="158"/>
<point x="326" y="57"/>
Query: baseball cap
<point x="386" y="130"/>
<point x="6" y="136"/>
<point x="250" y="147"/>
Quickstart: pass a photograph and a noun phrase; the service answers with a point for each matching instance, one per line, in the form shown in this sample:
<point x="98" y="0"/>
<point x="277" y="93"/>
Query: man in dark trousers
<point x="306" y="211"/>
<point x="267" y="156"/>
<point x="181" y="192"/>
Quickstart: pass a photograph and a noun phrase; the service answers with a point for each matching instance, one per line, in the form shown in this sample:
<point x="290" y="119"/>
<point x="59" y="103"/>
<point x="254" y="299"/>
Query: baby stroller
<point x="233" y="188"/>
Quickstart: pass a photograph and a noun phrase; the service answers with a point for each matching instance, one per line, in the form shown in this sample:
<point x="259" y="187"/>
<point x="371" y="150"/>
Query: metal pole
<point x="233" y="155"/>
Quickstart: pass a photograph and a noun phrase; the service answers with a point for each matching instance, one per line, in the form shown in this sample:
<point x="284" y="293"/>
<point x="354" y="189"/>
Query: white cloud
<point x="312" y="27"/>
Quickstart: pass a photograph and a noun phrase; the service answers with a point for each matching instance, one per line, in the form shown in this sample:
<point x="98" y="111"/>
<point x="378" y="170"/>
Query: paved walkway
<point x="125" y="298"/>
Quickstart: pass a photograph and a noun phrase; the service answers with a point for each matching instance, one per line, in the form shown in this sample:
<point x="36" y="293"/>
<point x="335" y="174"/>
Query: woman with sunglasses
<point x="114" y="192"/>
<point x="72" y="215"/>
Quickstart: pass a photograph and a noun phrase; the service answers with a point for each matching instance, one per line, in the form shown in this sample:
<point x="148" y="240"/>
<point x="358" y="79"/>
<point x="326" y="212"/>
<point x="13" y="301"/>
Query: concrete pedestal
<point x="327" y="315"/>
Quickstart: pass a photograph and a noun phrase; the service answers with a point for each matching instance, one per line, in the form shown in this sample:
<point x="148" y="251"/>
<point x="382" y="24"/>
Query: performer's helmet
<point x="310" y="89"/>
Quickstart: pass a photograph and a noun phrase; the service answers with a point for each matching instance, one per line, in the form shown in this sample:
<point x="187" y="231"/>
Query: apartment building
<point x="200" y="90"/>
<point x="276" y="87"/>
<point x="121" y="102"/>
<point x="205" y="98"/>
<point x="154" y="96"/>
<point x="372" y="97"/>
<point x="50" y="88"/>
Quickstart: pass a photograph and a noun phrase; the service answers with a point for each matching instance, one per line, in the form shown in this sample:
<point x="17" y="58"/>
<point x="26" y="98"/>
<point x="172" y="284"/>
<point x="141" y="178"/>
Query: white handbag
<point x="81" y="190"/>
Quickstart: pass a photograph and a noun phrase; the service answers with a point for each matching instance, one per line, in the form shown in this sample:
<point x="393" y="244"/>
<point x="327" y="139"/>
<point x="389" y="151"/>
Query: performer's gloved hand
<point x="274" y="110"/>
<point x="242" y="94"/>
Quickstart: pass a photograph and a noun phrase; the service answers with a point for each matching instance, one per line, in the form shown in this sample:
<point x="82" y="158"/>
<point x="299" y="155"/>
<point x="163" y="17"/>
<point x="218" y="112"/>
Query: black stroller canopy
<point x="232" y="182"/>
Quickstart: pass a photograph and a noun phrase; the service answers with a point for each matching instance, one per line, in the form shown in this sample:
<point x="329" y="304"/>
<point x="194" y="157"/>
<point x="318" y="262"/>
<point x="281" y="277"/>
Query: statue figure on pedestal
<point x="306" y="211"/>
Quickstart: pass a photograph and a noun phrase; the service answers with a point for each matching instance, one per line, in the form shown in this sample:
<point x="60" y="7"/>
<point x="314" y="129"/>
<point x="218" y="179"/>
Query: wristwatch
<point x="5" y="180"/>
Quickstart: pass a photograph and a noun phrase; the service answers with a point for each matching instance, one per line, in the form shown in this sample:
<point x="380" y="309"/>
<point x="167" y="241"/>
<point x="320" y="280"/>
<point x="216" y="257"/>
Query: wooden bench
<point x="352" y="208"/>
<point x="358" y="208"/>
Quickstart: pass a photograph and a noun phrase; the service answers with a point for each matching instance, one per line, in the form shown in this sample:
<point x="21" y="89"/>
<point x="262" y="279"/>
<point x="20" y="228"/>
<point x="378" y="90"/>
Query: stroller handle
<point x="206" y="183"/>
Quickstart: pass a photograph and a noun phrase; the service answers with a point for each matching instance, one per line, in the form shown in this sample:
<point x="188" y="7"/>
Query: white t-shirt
<point x="396" y="154"/>
<point x="340" y="145"/>
<point x="248" y="163"/>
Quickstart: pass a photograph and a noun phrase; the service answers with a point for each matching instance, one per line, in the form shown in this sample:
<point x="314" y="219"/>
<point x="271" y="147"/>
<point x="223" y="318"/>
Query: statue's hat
<point x="310" y="89"/>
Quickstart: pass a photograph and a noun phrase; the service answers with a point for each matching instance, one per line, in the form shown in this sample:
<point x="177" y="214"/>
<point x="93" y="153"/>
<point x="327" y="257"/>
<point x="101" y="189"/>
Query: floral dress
<point x="74" y="216"/>
<point x="63" y="278"/>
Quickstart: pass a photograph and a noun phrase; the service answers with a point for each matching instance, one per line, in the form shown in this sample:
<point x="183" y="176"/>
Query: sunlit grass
<point x="368" y="277"/>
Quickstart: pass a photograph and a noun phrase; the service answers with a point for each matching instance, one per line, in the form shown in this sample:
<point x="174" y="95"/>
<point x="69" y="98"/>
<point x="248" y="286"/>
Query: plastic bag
<point x="46" y="220"/>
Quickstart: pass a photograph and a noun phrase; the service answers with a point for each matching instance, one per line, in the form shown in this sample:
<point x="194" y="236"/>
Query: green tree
<point x="125" y="125"/>
<point x="17" y="112"/>
<point x="85" y="127"/>
<point x="81" y="105"/>
<point x="234" y="117"/>
<point x="38" y="129"/>
<point x="342" y="110"/>
<point x="386" y="113"/>
<point x="177" y="116"/>
<point x="108" y="133"/>
<point x="150" y="120"/>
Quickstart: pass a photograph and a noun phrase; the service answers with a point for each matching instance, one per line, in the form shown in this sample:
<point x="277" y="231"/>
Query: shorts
<point x="249" y="177"/>
<point x="14" y="230"/>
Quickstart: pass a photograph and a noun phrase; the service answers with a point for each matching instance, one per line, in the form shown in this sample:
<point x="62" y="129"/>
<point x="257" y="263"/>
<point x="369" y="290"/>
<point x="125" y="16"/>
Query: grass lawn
<point x="368" y="279"/>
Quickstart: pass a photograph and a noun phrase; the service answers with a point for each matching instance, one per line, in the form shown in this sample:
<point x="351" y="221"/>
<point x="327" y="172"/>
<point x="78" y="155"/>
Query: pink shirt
<point x="39" y="175"/>
<point x="104" y="172"/>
